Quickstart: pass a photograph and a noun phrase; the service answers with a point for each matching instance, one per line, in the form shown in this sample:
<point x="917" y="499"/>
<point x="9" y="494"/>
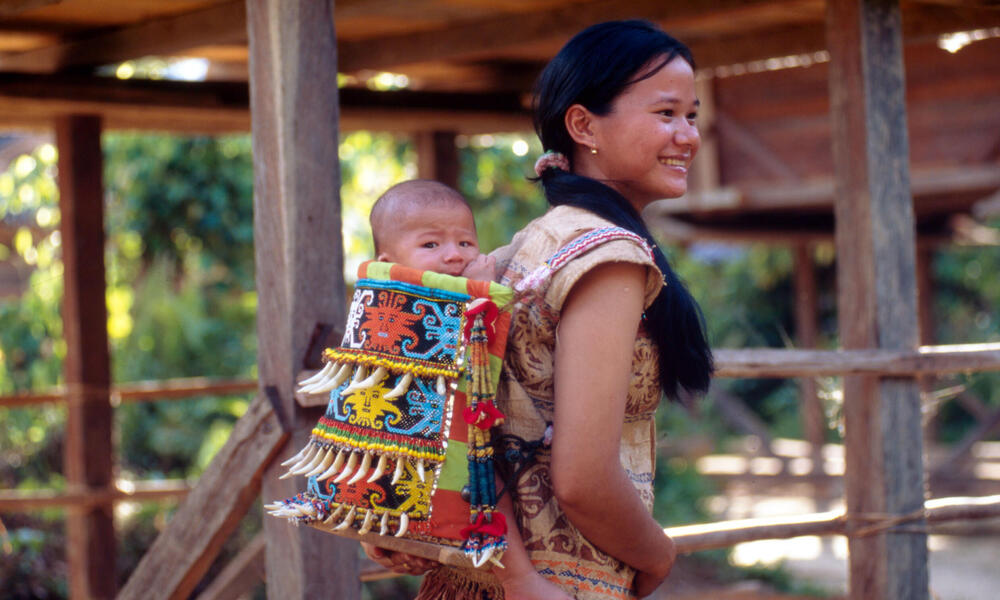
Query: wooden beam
<point x="144" y="391"/>
<point x="133" y="491"/>
<point x="774" y="362"/>
<point x="962" y="3"/>
<point x="470" y="39"/>
<point x="876" y="293"/>
<point x="9" y="8"/>
<point x="243" y="573"/>
<point x="220" y="24"/>
<point x="920" y="23"/>
<point x="753" y="149"/>
<point x="32" y="101"/>
<point x="299" y="257"/>
<point x="692" y="538"/>
<point x="87" y="454"/>
<point x="820" y="192"/>
<point x="791" y="363"/>
<point x="437" y="156"/>
<point x="806" y="336"/>
<point x="183" y="552"/>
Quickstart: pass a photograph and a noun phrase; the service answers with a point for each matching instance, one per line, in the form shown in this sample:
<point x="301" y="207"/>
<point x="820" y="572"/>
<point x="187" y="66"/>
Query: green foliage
<point x="967" y="311"/>
<point x="32" y="565"/>
<point x="494" y="179"/>
<point x="187" y="199"/>
<point x="369" y="164"/>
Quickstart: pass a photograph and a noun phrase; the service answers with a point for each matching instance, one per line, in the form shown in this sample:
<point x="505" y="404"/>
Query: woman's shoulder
<point x="573" y="241"/>
<point x="559" y="226"/>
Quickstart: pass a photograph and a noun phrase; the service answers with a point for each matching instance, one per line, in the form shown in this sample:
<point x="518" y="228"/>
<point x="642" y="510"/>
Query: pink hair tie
<point x="551" y="160"/>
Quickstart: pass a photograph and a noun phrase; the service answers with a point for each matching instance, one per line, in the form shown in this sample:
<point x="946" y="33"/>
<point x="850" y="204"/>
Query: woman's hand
<point x="398" y="562"/>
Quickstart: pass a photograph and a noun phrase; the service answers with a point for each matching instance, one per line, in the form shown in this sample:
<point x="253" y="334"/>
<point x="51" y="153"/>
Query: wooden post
<point x="704" y="176"/>
<point x="437" y="156"/>
<point x="807" y="334"/>
<point x="876" y="295"/>
<point x="299" y="258"/>
<point x="90" y="532"/>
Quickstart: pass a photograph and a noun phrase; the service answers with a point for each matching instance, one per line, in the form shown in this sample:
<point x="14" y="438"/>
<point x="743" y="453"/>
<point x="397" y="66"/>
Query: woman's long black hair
<point x="593" y="69"/>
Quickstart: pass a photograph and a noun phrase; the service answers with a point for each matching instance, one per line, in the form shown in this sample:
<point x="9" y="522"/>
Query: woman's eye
<point x="667" y="113"/>
<point x="692" y="117"/>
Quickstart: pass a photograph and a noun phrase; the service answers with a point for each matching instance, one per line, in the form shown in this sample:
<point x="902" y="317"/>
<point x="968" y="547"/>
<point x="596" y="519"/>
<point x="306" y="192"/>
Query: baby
<point x="427" y="225"/>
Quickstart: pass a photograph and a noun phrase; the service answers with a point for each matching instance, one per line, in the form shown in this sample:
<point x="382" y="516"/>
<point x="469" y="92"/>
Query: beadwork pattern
<point x="388" y="455"/>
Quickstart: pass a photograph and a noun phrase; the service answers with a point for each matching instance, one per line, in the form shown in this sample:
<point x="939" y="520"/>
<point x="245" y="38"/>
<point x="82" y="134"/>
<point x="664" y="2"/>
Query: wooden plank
<point x="806" y="336"/>
<point x="182" y="553"/>
<point x="243" y="573"/>
<point x="144" y="391"/>
<point x="876" y="292"/>
<point x="9" y="8"/>
<point x="774" y="362"/>
<point x="470" y="39"/>
<point x="133" y="491"/>
<point x="87" y="454"/>
<point x="920" y="24"/>
<point x="219" y="24"/>
<point x="299" y="257"/>
<point x="31" y="101"/>
<point x="791" y="363"/>
<point x="692" y="538"/>
<point x="819" y="192"/>
<point x="752" y="148"/>
<point x="437" y="156"/>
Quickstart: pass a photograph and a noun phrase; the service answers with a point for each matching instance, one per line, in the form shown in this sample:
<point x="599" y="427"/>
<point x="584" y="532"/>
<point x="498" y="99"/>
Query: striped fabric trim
<point x="591" y="240"/>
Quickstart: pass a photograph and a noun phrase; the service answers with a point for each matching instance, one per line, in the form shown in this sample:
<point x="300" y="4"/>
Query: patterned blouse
<point x="556" y="548"/>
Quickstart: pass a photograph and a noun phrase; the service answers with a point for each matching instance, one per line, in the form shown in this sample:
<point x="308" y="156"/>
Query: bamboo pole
<point x="692" y="538"/>
<point x="143" y="390"/>
<point x="128" y="491"/>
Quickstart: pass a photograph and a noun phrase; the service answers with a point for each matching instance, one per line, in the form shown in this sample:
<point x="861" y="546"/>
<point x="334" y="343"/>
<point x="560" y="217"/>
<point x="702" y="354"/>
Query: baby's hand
<point x="482" y="268"/>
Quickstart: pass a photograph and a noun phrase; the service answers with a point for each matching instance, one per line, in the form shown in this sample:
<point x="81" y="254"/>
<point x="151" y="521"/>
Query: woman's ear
<point x="579" y="125"/>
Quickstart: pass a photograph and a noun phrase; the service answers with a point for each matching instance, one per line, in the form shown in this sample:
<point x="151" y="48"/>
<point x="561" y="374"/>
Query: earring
<point x="593" y="149"/>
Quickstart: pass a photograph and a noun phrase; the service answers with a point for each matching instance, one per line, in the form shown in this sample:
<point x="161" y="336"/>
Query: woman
<point x="597" y="338"/>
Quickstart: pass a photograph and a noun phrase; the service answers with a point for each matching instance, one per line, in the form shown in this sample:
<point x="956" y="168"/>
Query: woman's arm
<point x="593" y="363"/>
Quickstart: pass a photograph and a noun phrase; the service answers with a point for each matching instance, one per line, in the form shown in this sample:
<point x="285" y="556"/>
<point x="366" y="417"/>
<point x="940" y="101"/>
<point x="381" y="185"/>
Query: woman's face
<point x="646" y="143"/>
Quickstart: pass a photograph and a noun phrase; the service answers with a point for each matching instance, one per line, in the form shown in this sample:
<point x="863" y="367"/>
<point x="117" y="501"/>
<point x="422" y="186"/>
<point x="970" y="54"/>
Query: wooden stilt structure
<point x="299" y="258"/>
<point x="876" y="296"/>
<point x="87" y="455"/>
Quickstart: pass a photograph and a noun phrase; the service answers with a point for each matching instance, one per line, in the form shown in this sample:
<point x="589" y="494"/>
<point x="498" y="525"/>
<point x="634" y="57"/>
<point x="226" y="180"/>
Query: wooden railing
<point x="748" y="363"/>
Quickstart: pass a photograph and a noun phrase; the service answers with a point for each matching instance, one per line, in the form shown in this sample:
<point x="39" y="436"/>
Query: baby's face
<point x="440" y="238"/>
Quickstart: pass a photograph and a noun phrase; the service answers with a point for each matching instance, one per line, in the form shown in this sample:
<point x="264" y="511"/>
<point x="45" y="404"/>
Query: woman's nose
<point x="687" y="134"/>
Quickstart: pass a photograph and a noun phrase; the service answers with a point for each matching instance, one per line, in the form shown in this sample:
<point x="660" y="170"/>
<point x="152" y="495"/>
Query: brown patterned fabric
<point x="557" y="549"/>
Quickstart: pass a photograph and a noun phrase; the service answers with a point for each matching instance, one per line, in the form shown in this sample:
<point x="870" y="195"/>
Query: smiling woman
<point x="603" y="325"/>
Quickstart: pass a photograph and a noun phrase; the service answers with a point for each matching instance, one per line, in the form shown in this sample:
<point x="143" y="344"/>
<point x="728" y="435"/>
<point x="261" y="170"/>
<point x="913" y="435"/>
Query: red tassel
<point x="497" y="527"/>
<point x="484" y="416"/>
<point x="490" y="312"/>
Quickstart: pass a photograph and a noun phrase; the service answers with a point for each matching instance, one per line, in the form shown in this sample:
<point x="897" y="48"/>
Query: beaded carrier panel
<point x="404" y="448"/>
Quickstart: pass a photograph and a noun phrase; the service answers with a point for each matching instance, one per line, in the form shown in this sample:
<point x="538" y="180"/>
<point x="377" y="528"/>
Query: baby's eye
<point x="466" y="244"/>
<point x="429" y="245"/>
<point x="692" y="117"/>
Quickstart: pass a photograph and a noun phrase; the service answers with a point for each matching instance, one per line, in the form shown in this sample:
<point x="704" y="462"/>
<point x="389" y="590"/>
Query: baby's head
<point x="425" y="225"/>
